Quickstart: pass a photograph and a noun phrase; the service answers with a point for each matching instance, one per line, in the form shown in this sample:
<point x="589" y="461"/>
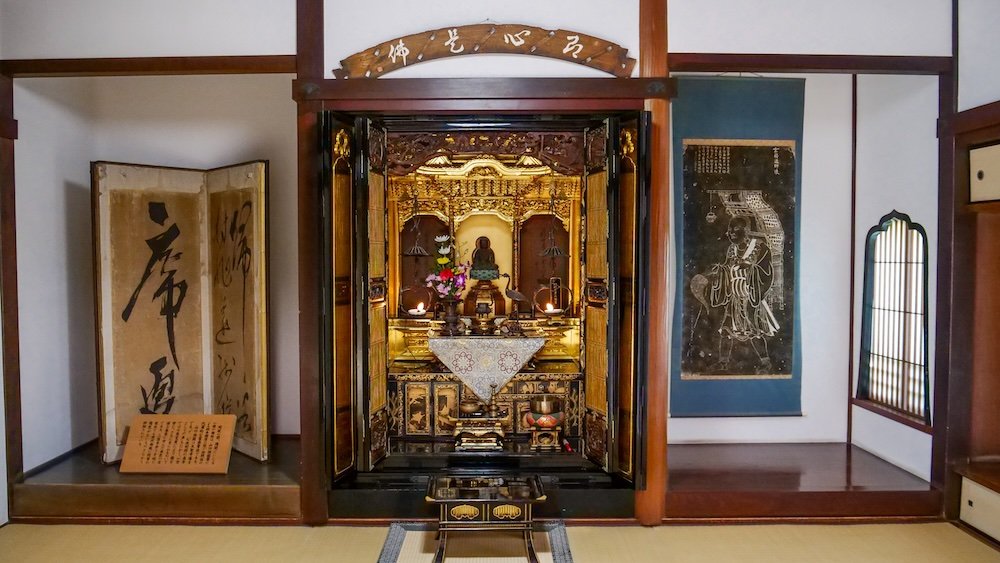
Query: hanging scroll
<point x="181" y="307"/>
<point x="736" y="350"/>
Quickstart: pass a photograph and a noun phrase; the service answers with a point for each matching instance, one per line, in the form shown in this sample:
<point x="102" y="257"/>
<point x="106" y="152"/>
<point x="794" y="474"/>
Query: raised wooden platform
<point x="80" y="486"/>
<point x="759" y="481"/>
<point x="986" y="473"/>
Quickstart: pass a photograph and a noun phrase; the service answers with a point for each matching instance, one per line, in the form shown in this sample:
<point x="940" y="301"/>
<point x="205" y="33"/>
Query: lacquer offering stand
<point x="484" y="364"/>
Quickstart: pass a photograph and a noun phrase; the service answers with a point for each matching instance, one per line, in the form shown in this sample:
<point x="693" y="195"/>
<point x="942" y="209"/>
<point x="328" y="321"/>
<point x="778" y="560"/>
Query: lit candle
<point x="420" y="307"/>
<point x="549" y="308"/>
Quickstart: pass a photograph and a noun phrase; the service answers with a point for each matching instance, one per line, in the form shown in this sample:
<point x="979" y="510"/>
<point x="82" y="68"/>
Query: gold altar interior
<point x="531" y="216"/>
<point x="545" y="221"/>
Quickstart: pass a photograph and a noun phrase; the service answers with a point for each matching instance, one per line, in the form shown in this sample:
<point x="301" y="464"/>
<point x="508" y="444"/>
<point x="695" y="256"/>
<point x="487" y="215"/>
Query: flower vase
<point x="452" y="322"/>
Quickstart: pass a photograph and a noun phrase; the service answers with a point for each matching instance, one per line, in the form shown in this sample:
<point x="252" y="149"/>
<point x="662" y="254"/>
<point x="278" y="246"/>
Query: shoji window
<point x="893" y="367"/>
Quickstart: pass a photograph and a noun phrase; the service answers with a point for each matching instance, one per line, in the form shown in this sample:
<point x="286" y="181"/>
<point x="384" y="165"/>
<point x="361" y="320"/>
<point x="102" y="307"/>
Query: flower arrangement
<point x="449" y="277"/>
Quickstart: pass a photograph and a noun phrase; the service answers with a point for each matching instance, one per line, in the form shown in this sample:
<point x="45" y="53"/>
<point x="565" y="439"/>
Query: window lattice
<point x="894" y="370"/>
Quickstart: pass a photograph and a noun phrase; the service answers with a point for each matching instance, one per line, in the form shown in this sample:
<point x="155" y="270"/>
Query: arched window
<point x="893" y="367"/>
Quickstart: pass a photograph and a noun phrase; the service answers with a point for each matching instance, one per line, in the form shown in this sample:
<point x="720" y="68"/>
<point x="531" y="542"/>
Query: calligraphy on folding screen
<point x="152" y="353"/>
<point x="182" y="297"/>
<point x="238" y="304"/>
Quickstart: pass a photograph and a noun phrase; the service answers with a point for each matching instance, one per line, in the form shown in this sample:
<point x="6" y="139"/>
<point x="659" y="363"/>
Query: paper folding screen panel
<point x="181" y="265"/>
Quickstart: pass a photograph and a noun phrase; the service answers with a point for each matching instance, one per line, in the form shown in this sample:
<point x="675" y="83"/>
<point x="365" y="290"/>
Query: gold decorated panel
<point x="597" y="225"/>
<point x="596" y="367"/>
<point x="376" y="226"/>
<point x="378" y="356"/>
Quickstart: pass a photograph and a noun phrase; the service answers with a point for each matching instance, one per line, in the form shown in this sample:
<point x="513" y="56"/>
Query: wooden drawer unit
<point x="981" y="508"/>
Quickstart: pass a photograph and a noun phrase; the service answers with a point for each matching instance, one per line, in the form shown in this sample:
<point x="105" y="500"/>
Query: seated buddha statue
<point x="484" y="266"/>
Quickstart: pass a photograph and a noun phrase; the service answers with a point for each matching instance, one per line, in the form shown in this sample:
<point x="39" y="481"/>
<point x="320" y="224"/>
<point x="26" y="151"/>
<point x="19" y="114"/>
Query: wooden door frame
<point x="534" y="95"/>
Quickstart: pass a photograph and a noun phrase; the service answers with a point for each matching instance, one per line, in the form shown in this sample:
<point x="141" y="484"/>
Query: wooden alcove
<point x="705" y="483"/>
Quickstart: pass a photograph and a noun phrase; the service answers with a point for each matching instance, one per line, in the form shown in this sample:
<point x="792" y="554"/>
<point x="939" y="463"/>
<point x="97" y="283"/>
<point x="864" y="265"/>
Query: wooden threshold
<point x="148" y="66"/>
<point x="797" y="481"/>
<point x="79" y="486"/>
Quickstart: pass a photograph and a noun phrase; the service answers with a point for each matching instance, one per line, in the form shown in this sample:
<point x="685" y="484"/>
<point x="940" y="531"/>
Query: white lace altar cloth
<point x="481" y="361"/>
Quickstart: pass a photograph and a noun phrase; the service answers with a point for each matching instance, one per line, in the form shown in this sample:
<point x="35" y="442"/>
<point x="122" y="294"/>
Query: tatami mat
<point x="903" y="543"/>
<point x="482" y="547"/>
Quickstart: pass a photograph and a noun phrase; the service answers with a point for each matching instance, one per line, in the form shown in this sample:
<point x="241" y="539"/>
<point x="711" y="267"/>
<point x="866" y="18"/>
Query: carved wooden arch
<point x="508" y="39"/>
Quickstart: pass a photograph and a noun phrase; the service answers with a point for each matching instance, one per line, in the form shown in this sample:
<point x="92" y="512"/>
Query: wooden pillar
<point x="11" y="394"/>
<point x="309" y="65"/>
<point x="649" y="502"/>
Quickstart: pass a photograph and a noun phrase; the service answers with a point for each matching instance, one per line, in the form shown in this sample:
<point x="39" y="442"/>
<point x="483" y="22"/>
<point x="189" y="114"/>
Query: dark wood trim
<point x="313" y="477"/>
<point x="9" y="307"/>
<point x="971" y="119"/>
<point x="891" y="414"/>
<point x="650" y="501"/>
<point x="805" y="520"/>
<point x="412" y="89"/>
<point x="100" y="500"/>
<point x="802" y="504"/>
<point x="8" y="128"/>
<point x="309" y="38"/>
<point x="143" y="66"/>
<point x="161" y="521"/>
<point x="953" y="330"/>
<point x="854" y="220"/>
<point x="513" y="106"/>
<point x="836" y="64"/>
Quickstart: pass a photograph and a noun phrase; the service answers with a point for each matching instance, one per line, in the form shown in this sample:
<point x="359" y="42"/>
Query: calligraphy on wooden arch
<point x="506" y="39"/>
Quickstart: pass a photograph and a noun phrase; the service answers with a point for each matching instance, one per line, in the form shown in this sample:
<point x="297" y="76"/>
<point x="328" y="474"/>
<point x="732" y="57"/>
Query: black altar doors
<point x="616" y="189"/>
<point x="355" y="317"/>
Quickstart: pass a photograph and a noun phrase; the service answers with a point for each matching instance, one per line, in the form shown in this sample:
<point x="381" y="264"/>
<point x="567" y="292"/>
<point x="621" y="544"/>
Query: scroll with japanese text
<point x="239" y="306"/>
<point x="158" y="293"/>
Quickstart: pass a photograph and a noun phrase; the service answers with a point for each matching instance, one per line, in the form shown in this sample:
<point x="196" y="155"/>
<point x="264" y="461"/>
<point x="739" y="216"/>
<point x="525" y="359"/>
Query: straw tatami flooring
<point x="905" y="543"/>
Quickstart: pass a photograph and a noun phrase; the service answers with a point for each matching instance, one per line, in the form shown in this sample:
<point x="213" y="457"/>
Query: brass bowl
<point x="546" y="404"/>
<point x="469" y="406"/>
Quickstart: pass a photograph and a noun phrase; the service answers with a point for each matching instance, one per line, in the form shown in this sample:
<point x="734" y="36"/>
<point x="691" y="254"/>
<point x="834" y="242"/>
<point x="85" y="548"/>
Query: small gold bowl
<point x="469" y="406"/>
<point x="546" y="404"/>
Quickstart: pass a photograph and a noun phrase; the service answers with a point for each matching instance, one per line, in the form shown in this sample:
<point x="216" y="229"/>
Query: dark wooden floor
<point x="79" y="485"/>
<point x="791" y="480"/>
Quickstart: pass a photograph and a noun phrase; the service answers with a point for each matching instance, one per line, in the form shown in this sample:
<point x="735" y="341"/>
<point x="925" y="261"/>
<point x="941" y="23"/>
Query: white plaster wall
<point x="351" y="27"/>
<point x="198" y="122"/>
<point x="146" y="28"/>
<point x="978" y="53"/>
<point x="846" y="27"/>
<point x="55" y="292"/>
<point x="897" y="168"/>
<point x="823" y="284"/>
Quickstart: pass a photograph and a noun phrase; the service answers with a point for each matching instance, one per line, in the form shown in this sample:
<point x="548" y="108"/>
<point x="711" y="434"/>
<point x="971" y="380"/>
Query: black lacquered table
<point x="473" y="504"/>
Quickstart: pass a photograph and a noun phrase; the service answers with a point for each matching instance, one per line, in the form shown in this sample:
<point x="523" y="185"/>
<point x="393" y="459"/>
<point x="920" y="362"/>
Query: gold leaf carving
<point x="464" y="512"/>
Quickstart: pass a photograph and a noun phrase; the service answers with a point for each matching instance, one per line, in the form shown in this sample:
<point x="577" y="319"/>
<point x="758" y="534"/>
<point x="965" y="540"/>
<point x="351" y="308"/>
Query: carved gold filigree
<point x="464" y="512"/>
<point x="507" y="512"/>
<point x="395" y="408"/>
<point x="628" y="143"/>
<point x="342" y="144"/>
<point x="512" y="199"/>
